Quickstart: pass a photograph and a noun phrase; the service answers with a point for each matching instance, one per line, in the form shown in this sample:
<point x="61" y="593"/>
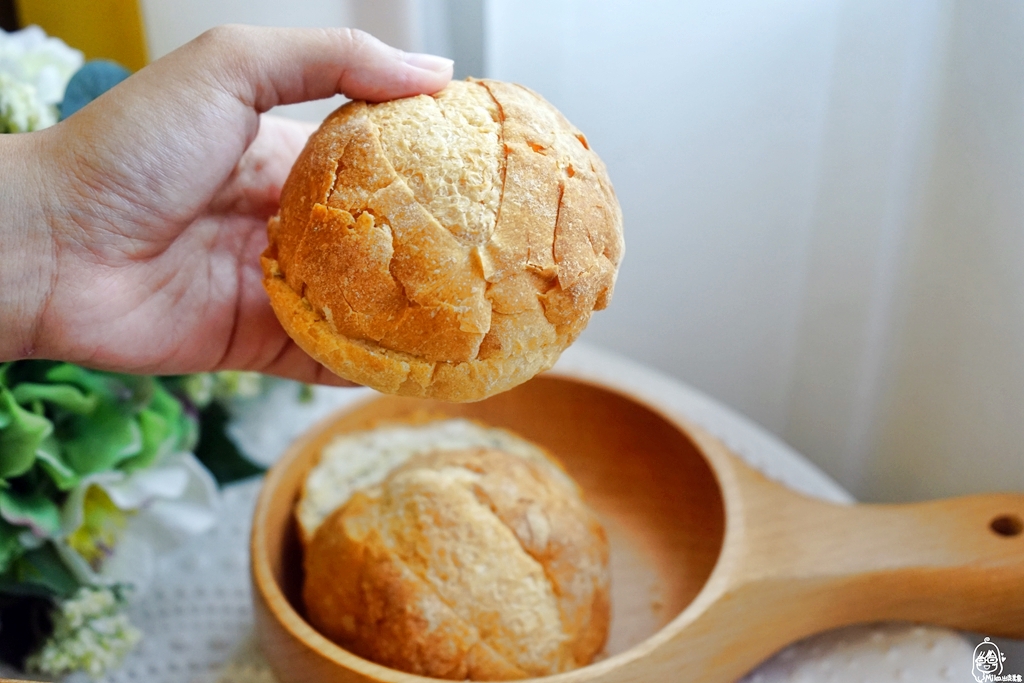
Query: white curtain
<point x="824" y="204"/>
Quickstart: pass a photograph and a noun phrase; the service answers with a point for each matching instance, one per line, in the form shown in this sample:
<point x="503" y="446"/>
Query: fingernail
<point x="428" y="62"/>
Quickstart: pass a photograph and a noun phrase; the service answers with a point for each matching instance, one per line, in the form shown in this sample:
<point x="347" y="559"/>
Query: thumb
<point x="265" y="67"/>
<point x="167" y="137"/>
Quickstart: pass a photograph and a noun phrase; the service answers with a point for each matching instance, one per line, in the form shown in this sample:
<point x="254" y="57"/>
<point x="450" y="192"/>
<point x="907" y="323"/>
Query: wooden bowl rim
<point x="722" y="471"/>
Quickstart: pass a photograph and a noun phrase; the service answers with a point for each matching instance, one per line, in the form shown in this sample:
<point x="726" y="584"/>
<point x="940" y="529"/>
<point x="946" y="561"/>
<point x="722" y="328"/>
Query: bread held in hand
<point x="447" y="246"/>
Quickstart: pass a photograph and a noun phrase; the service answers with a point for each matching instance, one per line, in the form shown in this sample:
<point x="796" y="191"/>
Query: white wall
<point x="824" y="214"/>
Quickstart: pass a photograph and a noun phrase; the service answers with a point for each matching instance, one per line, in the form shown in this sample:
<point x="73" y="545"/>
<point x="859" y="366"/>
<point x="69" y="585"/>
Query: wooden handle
<point x="791" y="566"/>
<point x="956" y="562"/>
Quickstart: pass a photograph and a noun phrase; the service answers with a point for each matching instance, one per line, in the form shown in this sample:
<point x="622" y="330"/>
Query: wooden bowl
<point x="714" y="567"/>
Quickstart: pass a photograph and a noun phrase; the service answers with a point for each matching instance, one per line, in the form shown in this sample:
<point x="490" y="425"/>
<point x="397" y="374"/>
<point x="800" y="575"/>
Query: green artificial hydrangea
<point x="82" y="453"/>
<point x="60" y="423"/>
<point x="91" y="633"/>
<point x="21" y="110"/>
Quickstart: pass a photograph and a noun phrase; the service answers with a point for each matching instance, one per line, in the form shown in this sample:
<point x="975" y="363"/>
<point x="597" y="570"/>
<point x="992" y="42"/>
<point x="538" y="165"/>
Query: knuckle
<point x="356" y="38"/>
<point x="225" y="36"/>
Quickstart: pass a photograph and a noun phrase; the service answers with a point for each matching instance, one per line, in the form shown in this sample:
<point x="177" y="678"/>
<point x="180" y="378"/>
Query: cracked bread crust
<point x="447" y="246"/>
<point x="472" y="564"/>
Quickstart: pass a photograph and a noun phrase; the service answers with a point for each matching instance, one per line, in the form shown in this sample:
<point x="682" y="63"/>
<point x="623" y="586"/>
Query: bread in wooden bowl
<point x="447" y="246"/>
<point x="476" y="560"/>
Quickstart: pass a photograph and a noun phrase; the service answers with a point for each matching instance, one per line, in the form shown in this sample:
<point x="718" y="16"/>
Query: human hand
<point x="149" y="206"/>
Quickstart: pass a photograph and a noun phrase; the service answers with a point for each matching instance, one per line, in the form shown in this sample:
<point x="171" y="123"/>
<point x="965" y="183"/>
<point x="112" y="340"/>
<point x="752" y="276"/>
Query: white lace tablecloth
<point x="198" y="616"/>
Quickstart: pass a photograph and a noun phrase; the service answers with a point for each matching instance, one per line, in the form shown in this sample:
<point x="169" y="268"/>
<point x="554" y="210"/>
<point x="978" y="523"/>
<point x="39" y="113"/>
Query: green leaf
<point x="49" y="457"/>
<point x="165" y="404"/>
<point x="10" y="584"/>
<point x="10" y="547"/>
<point x="65" y="396"/>
<point x="98" y="442"/>
<point x="189" y="430"/>
<point x="22" y="436"/>
<point x="218" y="453"/>
<point x="165" y="428"/>
<point x="28" y="371"/>
<point x="43" y="569"/>
<point x="130" y="392"/>
<point x="33" y="510"/>
<point x="137" y="390"/>
<point x="158" y="438"/>
<point x="93" y="382"/>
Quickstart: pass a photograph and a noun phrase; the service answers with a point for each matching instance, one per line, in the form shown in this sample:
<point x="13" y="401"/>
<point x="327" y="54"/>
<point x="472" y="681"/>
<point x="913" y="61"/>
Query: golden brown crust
<point x="448" y="246"/>
<point x="554" y="527"/>
<point x="395" y="372"/>
<point x="463" y="564"/>
<point x="360" y="595"/>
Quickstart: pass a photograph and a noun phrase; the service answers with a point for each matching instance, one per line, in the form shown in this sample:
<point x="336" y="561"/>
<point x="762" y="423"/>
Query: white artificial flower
<point x="115" y="524"/>
<point x="262" y="430"/>
<point x="90" y="633"/>
<point x="202" y="388"/>
<point x="46" y="63"/>
<point x="237" y="384"/>
<point x="34" y="72"/>
<point x="21" y="111"/>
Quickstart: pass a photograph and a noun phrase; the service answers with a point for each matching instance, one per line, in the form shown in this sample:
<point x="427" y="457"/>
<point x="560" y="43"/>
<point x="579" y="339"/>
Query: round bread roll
<point x="362" y="459"/>
<point x="463" y="564"/>
<point x="447" y="246"/>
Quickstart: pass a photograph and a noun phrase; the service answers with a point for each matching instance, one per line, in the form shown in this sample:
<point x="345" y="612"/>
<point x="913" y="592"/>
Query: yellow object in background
<point x="102" y="29"/>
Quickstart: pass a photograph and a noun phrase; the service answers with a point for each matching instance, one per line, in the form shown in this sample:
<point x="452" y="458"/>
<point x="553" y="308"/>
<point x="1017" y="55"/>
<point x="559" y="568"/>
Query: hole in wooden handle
<point x="1007" y="525"/>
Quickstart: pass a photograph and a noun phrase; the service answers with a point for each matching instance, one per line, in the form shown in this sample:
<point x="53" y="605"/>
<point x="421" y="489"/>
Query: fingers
<point x="265" y="67"/>
<point x="142" y="175"/>
<point x="254" y="186"/>
<point x="257" y="341"/>
<point x="293" y="363"/>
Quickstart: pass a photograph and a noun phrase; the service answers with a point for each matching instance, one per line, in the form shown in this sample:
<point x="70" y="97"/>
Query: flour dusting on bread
<point x="447" y="246"/>
<point x="362" y="459"/>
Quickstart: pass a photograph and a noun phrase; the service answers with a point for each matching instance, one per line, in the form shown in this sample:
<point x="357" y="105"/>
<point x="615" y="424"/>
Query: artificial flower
<point x="21" y="110"/>
<point x="116" y="523"/>
<point x="90" y="633"/>
<point x="34" y="72"/>
<point x="203" y="388"/>
<point x="42" y="61"/>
